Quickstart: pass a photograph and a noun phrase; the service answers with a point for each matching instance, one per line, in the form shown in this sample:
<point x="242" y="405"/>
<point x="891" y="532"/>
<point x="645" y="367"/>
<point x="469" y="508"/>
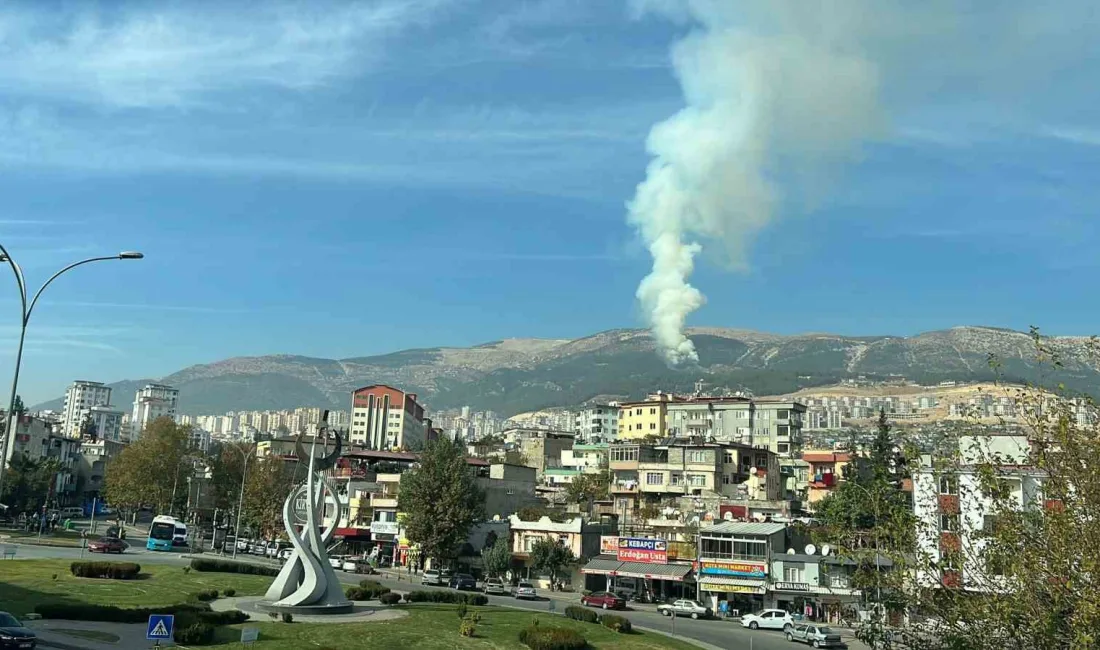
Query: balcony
<point x="383" y="500"/>
<point x="624" y="487"/>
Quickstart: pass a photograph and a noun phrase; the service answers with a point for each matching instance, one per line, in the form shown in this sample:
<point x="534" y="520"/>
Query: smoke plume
<point x="772" y="89"/>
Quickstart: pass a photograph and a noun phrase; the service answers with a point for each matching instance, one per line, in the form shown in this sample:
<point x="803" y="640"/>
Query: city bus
<point x="165" y="533"/>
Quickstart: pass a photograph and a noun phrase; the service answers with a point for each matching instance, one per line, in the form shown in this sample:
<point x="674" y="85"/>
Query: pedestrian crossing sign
<point x="160" y="627"/>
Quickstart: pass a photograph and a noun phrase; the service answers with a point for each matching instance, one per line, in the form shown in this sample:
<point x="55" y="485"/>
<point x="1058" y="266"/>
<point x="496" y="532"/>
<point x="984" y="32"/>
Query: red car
<point x="604" y="599"/>
<point x="107" y="545"/>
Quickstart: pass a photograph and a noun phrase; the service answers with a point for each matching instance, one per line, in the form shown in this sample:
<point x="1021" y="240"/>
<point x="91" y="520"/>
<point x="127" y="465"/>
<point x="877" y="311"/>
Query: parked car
<point x="72" y="512"/>
<point x="257" y="547"/>
<point x="336" y="562"/>
<point x="359" y="565"/>
<point x="604" y="599"/>
<point x="14" y="635"/>
<point x="431" y="577"/>
<point x="462" y="582"/>
<point x="819" y="636"/>
<point x="524" y="590"/>
<point x="768" y="619"/>
<point x="445" y="576"/>
<point x="106" y="545"/>
<point x="243" y="545"/>
<point x="690" y="608"/>
<point x="495" y="586"/>
<point x="285" y="554"/>
<point x="273" y="548"/>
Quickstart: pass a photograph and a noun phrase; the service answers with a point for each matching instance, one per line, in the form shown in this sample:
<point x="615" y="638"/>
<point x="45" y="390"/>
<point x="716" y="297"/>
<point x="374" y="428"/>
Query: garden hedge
<point x="620" y="624"/>
<point x="109" y="570"/>
<point x="452" y="597"/>
<point x="582" y="614"/>
<point x="225" y="566"/>
<point x="538" y="637"/>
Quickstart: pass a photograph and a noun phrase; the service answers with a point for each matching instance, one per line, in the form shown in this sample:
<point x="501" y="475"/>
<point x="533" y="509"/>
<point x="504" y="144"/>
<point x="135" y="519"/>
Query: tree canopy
<point x="551" y="556"/>
<point x="441" y="500"/>
<point x="27" y="482"/>
<point x="153" y="470"/>
<point x="496" y="558"/>
<point x="267" y="485"/>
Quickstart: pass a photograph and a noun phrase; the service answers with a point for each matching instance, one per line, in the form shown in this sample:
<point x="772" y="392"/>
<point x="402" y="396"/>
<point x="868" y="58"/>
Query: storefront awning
<point x="675" y="572"/>
<point x="604" y="565"/>
<point x="732" y="585"/>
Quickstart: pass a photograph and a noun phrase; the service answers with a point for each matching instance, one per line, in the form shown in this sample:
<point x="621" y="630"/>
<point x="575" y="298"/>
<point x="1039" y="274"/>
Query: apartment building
<point x="544" y="450"/>
<point x="650" y="473"/>
<point x="578" y="535"/>
<point x="951" y="508"/>
<point x="386" y="418"/>
<point x="80" y="397"/>
<point x="586" y="458"/>
<point x="734" y="561"/>
<point x="597" y="423"/>
<point x="827" y="469"/>
<point x="92" y="464"/>
<point x="644" y="419"/>
<point x="151" y="402"/>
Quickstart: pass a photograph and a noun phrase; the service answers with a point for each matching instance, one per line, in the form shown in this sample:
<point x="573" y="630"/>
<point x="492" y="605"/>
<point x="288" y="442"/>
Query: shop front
<point x="639" y="581"/>
<point x="795" y="597"/>
<point x="741" y="585"/>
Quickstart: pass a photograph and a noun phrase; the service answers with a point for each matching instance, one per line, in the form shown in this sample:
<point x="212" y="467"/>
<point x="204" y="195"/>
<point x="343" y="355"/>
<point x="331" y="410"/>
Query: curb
<point x="59" y="645"/>
<point x="694" y="642"/>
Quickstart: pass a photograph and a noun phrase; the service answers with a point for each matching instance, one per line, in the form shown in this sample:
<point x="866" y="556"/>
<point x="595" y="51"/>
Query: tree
<point x="550" y="556"/>
<point x="269" y="481"/>
<point x="20" y="410"/>
<point x="586" y="488"/>
<point x="227" y="463"/>
<point x="496" y="558"/>
<point x="441" y="500"/>
<point x="151" y="470"/>
<point x="88" y="429"/>
<point x="27" y="482"/>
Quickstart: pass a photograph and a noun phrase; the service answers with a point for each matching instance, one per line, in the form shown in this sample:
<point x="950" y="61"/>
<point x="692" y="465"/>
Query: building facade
<point x="151" y="402"/>
<point x="385" y="418"/>
<point x="80" y="397"/>
<point x="638" y="420"/>
<point x="597" y="423"/>
<point x="106" y="422"/>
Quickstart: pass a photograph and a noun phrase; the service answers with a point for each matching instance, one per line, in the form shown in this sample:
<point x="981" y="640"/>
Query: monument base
<point x="346" y="607"/>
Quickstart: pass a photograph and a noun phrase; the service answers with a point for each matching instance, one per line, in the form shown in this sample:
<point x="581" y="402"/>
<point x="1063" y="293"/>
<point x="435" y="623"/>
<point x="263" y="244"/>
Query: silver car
<point x="524" y="590"/>
<point x="690" y="608"/>
<point x="495" y="586"/>
<point x="819" y="636"/>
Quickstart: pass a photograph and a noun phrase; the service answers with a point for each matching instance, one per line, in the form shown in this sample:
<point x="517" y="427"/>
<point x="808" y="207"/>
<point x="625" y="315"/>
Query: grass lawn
<point x="435" y="627"/>
<point x="68" y="538"/>
<point x="26" y="583"/>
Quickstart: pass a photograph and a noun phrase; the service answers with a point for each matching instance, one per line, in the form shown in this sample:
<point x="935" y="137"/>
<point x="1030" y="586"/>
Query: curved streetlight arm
<point x="29" y="308"/>
<point x="15" y="268"/>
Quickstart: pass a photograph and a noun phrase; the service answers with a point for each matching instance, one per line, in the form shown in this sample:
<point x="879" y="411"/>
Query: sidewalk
<point x="130" y="635"/>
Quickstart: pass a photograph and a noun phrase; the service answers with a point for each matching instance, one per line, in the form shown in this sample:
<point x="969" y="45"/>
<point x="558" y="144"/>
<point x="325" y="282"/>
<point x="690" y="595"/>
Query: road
<point x="721" y="634"/>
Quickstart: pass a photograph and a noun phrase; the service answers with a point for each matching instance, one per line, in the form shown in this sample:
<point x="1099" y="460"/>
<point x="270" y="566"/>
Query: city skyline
<point x="260" y="172"/>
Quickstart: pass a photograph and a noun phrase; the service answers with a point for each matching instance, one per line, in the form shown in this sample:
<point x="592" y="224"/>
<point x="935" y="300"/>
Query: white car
<point x="690" y="608"/>
<point x="349" y="563"/>
<point x="336" y="562"/>
<point x="495" y="586"/>
<point x="285" y="554"/>
<point x="524" y="590"/>
<point x="768" y="619"/>
<point x="431" y="577"/>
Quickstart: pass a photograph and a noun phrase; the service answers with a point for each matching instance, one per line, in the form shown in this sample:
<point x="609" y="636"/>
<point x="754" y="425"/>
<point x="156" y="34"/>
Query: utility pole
<point x="240" y="502"/>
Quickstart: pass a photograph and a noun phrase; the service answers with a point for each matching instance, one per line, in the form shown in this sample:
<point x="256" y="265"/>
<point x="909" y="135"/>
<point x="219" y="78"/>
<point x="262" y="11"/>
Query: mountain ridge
<point x="522" y="374"/>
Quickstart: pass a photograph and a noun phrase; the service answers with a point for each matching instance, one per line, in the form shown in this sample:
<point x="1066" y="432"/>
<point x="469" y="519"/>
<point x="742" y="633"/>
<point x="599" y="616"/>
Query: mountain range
<point x="518" y="375"/>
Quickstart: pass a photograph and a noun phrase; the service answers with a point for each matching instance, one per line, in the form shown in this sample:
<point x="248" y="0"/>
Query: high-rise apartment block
<point x="385" y="418"/>
<point x="152" y="402"/>
<point x="79" y="398"/>
<point x="598" y="422"/>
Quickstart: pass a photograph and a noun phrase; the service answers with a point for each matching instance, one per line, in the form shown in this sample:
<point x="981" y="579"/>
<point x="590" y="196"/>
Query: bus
<point x="165" y="533"/>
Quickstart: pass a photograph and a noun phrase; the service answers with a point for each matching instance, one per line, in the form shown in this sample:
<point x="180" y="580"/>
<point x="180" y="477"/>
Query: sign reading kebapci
<point x="636" y="549"/>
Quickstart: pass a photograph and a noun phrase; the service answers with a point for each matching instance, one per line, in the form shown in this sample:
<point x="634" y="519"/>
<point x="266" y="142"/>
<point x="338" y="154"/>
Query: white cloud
<point x="144" y="56"/>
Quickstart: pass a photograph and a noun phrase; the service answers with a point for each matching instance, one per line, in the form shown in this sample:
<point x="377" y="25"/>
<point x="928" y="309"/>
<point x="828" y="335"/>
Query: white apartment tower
<point x="151" y="402"/>
<point x="385" y="418"/>
<point x="79" y="398"/>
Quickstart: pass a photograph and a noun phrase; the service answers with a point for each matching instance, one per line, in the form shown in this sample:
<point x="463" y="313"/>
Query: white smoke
<point x="779" y="91"/>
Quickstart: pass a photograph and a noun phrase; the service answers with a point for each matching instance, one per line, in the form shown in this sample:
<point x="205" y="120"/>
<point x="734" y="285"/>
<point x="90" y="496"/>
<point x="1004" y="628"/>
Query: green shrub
<point x="476" y="599"/>
<point x="372" y="589"/>
<point x="288" y="617"/>
<point x="229" y="593"/>
<point x="390" y="598"/>
<point x="110" y="570"/>
<point x="408" y="597"/>
<point x="618" y="623"/>
<point x="112" y="614"/>
<point x="461" y="610"/>
<point x="467" y="628"/>
<point x="206" y="596"/>
<point x="538" y="637"/>
<point x="196" y="633"/>
<point x="225" y="566"/>
<point x="582" y="614"/>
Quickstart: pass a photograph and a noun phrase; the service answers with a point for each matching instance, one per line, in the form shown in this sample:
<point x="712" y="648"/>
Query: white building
<point x="597" y="423"/>
<point x="151" y="402"/>
<point x="106" y="420"/>
<point x="951" y="508"/>
<point x="385" y="418"/>
<point x="199" y="439"/>
<point x="81" y="396"/>
<point x="774" y="425"/>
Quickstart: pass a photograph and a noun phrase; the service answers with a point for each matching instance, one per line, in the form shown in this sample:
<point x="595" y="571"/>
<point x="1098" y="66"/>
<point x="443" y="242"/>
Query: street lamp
<point x="245" y="455"/>
<point x="27" y="309"/>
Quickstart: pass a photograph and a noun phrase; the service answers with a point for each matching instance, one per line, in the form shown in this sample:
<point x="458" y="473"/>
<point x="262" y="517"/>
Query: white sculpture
<point x="307" y="580"/>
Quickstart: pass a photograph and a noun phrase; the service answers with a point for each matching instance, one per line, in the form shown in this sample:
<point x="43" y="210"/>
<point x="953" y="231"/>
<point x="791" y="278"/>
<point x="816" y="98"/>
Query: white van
<point x="72" y="512"/>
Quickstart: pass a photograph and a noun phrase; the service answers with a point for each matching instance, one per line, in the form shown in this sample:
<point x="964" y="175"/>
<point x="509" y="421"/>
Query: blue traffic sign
<point x="160" y="626"/>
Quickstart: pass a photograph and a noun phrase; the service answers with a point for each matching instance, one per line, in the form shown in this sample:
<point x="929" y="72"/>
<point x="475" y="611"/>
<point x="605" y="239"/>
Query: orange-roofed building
<point x="827" y="469"/>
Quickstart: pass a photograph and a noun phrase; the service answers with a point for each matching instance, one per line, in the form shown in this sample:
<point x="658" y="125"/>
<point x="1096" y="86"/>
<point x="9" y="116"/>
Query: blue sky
<point x="342" y="179"/>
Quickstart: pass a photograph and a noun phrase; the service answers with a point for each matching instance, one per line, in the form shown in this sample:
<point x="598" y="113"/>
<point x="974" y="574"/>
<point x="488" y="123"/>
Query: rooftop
<point x="744" y="528"/>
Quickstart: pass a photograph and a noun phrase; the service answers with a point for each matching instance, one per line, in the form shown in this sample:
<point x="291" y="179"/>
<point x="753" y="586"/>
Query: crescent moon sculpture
<point x="307" y="583"/>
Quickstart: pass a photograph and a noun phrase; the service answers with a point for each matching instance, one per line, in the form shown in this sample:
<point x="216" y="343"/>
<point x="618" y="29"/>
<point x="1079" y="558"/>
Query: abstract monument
<point x="307" y="584"/>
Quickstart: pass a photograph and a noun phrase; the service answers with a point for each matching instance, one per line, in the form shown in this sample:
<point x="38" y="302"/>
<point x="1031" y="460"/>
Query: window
<point x="652" y="425"/>
<point x="949" y="523"/>
<point x="782" y="448"/>
<point x="783" y="430"/>
<point x="654" y="478"/>
<point x="638" y="412"/>
<point x="677" y="479"/>
<point x="793" y="573"/>
<point x="697" y="480"/>
<point x="697" y="456"/>
<point x="727" y="457"/>
<point x="784" y="415"/>
<point x="653" y="411"/>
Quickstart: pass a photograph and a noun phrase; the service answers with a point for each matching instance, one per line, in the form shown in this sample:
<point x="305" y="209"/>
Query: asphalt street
<point x="721" y="634"/>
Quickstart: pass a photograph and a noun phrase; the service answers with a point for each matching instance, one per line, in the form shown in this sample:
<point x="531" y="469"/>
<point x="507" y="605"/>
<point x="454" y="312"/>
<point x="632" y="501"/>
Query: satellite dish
<point x="811" y="549"/>
<point x="826" y="549"/>
<point x="790" y="551"/>
<point x="727" y="515"/>
<point x="496" y="517"/>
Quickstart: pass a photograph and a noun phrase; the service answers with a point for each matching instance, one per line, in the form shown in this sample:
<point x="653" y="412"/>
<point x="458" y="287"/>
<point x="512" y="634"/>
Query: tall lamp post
<point x="27" y="308"/>
<point x="245" y="455"/>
